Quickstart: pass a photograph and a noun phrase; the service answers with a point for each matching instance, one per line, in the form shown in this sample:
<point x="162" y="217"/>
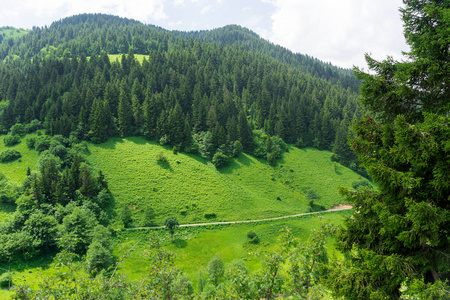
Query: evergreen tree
<point x="124" y="112"/>
<point x="398" y="235"/>
<point x="245" y="133"/>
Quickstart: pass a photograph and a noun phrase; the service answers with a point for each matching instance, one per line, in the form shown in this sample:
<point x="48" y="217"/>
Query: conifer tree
<point x="398" y="235"/>
<point x="124" y="112"/>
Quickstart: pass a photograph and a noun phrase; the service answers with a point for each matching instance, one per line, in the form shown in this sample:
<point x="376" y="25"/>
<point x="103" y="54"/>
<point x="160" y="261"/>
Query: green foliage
<point x="9" y="155"/>
<point x="361" y="184"/>
<point x="215" y="270"/>
<point x="80" y="223"/>
<point x="99" y="254"/>
<point x="9" y="191"/>
<point x="125" y="216"/>
<point x="31" y="142"/>
<point x="161" y="158"/>
<point x="398" y="235"/>
<point x="6" y="280"/>
<point x="11" y="140"/>
<point x="171" y="223"/>
<point x="237" y="149"/>
<point x="220" y="160"/>
<point x="253" y="237"/>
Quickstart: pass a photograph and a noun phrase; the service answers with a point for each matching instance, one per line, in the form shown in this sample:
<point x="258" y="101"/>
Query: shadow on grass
<point x="179" y="243"/>
<point x="19" y="264"/>
<point x="164" y="165"/>
<point x="110" y="143"/>
<point x="197" y="157"/>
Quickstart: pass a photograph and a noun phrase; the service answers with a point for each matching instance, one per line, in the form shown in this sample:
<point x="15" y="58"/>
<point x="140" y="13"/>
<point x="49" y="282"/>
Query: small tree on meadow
<point x="171" y="223"/>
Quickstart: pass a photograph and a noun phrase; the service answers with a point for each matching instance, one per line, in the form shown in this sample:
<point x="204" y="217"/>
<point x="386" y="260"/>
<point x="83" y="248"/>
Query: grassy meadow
<point x="194" y="247"/>
<point x="189" y="187"/>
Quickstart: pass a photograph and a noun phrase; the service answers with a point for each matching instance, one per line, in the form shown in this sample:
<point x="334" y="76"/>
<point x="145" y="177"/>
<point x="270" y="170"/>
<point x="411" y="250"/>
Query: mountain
<point x="226" y="82"/>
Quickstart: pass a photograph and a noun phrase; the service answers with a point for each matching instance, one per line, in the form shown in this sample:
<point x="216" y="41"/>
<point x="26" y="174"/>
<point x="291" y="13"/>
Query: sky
<point x="335" y="31"/>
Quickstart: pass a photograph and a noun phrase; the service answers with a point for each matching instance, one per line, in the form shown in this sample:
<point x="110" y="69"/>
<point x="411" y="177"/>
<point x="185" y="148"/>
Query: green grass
<point x="138" y="57"/>
<point x="11" y="32"/>
<point x="188" y="187"/>
<point x="16" y="171"/>
<point x="196" y="246"/>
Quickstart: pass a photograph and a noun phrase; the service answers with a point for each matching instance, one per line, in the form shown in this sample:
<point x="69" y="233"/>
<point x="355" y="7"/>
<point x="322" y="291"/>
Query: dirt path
<point x="334" y="208"/>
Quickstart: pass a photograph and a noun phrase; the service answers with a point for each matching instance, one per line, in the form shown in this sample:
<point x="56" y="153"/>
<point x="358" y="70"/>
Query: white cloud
<point x="205" y="9"/>
<point x="142" y="10"/>
<point x="339" y="31"/>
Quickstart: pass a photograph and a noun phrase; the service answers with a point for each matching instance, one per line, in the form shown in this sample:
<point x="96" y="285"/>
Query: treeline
<point x="250" y="41"/>
<point x="63" y="199"/>
<point x="181" y="90"/>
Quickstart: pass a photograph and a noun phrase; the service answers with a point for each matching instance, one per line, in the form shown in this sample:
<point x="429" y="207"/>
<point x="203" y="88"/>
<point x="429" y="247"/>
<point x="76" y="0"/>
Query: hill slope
<point x="189" y="187"/>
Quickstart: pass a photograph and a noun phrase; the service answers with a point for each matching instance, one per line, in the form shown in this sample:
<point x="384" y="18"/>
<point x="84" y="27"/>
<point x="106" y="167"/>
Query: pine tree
<point x="398" y="235"/>
<point x="124" y="111"/>
<point x="245" y="132"/>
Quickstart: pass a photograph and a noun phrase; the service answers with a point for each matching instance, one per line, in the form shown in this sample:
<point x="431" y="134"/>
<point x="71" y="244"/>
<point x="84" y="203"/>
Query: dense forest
<point x="214" y="94"/>
<point x="198" y="96"/>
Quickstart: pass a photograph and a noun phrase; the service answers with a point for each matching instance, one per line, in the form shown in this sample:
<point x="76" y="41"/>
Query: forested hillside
<point x="198" y="96"/>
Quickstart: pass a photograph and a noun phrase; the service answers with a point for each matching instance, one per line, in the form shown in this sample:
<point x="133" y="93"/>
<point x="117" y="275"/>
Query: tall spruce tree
<point x="124" y="112"/>
<point x="398" y="236"/>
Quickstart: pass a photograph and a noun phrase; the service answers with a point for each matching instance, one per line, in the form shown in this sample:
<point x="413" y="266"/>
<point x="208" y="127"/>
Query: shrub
<point x="220" y="160"/>
<point x="9" y="155"/>
<point x="17" y="129"/>
<point x="6" y="280"/>
<point x="11" y="140"/>
<point x="254" y="239"/>
<point x="176" y="149"/>
<point x="313" y="206"/>
<point x="33" y="126"/>
<point x="42" y="143"/>
<point x="160" y="158"/>
<point x="358" y="184"/>
<point x="31" y="142"/>
<point x="237" y="148"/>
<point x="210" y="215"/>
<point x="312" y="195"/>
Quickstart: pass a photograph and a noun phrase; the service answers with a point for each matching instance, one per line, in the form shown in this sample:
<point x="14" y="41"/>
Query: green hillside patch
<point x="193" y="190"/>
<point x="16" y="170"/>
<point x="196" y="246"/>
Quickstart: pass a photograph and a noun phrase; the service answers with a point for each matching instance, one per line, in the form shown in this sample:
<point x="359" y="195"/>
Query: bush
<point x="33" y="126"/>
<point x="17" y="129"/>
<point x="9" y="155"/>
<point x="254" y="239"/>
<point x="359" y="184"/>
<point x="237" y="148"/>
<point x="176" y="149"/>
<point x="6" y="280"/>
<point x="42" y="143"/>
<point x="220" y="160"/>
<point x="160" y="158"/>
<point x="31" y="142"/>
<point x="210" y="215"/>
<point x="312" y="195"/>
<point x="11" y="140"/>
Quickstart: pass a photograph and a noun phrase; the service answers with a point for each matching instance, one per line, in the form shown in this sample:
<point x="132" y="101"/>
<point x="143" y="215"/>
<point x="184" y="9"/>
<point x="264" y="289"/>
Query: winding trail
<point x="339" y="208"/>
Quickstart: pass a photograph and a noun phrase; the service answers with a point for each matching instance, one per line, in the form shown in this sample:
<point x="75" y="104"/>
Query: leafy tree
<point x="42" y="229"/>
<point x="171" y="223"/>
<point x="399" y="234"/>
<point x="11" y="140"/>
<point x="80" y="223"/>
<point x="125" y="215"/>
<point x="220" y="160"/>
<point x="9" y="155"/>
<point x="215" y="270"/>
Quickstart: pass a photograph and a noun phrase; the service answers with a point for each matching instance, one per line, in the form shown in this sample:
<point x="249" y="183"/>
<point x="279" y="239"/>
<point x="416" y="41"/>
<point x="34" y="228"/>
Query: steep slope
<point x="194" y="191"/>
